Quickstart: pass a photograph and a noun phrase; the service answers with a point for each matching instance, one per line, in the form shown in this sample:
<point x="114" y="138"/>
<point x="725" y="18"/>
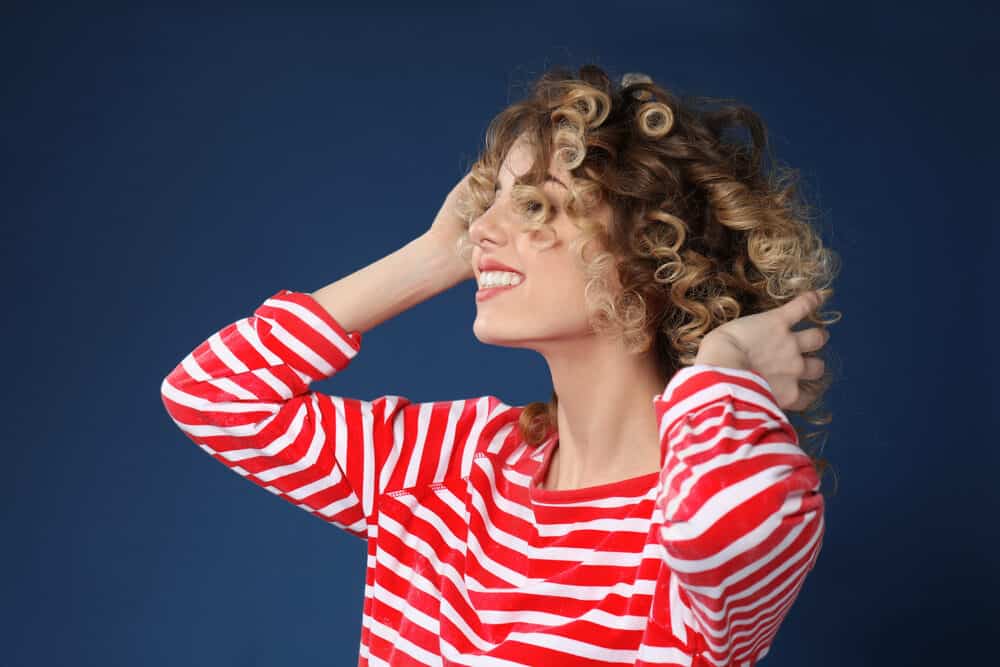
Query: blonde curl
<point x="701" y="232"/>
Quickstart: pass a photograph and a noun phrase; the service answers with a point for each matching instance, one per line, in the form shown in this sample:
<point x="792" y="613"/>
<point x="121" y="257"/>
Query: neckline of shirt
<point x="632" y="486"/>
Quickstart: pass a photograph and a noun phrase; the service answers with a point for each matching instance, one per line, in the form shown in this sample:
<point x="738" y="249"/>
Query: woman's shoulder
<point x="504" y="436"/>
<point x="499" y="421"/>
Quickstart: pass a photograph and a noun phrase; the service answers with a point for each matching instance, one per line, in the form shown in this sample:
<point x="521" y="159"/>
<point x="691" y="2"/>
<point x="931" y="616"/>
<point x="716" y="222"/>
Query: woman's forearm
<point x="402" y="279"/>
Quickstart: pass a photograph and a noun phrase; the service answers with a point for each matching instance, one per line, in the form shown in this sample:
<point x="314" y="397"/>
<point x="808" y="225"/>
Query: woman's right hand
<point x="449" y="226"/>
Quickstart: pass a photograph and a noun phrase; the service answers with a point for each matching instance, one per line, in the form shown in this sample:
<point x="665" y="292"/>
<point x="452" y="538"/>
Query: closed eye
<point x="548" y="177"/>
<point x="534" y="206"/>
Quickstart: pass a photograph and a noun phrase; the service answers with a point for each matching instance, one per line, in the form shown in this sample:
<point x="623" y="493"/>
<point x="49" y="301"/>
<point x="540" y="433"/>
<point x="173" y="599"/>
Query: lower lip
<point x="489" y="292"/>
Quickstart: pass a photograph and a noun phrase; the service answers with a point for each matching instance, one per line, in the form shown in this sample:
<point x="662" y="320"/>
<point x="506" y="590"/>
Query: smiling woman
<point x="688" y="229"/>
<point x="662" y="510"/>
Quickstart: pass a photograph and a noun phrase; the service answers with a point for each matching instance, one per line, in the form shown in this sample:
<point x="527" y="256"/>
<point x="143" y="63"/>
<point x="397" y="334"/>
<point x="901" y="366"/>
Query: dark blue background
<point x="165" y="171"/>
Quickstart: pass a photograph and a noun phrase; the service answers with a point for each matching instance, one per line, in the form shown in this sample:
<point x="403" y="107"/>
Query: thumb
<point x="798" y="308"/>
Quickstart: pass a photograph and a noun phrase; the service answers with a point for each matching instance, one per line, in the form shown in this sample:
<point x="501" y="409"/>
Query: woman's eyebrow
<point x="550" y="177"/>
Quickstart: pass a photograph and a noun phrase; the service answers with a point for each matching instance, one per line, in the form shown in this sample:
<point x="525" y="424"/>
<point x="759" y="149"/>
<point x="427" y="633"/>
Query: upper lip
<point x="489" y="264"/>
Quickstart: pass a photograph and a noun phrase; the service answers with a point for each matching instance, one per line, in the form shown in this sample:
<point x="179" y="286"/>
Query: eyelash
<point x="496" y="189"/>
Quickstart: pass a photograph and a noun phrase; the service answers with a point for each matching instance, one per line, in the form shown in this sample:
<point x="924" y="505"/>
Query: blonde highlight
<point x="701" y="232"/>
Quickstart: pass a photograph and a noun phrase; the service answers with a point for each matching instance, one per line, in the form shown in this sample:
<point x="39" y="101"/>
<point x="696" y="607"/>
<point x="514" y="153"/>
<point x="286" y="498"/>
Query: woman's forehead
<point x="519" y="158"/>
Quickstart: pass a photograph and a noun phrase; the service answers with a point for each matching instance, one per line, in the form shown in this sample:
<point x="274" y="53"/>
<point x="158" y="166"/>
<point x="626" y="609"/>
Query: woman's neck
<point x="606" y="418"/>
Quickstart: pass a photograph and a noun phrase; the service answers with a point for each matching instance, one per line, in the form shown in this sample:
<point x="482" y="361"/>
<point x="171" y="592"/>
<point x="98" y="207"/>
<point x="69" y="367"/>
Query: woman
<point x="659" y="509"/>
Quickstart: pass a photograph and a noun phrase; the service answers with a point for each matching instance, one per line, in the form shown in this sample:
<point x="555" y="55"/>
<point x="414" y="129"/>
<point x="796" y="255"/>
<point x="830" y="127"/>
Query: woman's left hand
<point x="765" y="343"/>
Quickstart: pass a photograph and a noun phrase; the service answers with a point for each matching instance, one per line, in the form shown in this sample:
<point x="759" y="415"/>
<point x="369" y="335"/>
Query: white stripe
<point x="712" y="394"/>
<point x="717" y="591"/>
<point x="500" y="501"/>
<point x="451" y="653"/>
<point x="752" y="624"/>
<point x="516" y="478"/>
<point x="420" y="511"/>
<point x="570" y="591"/>
<point x="455" y="503"/>
<point x="535" y="617"/>
<point x="627" y="525"/>
<point x="416" y="454"/>
<point x="338" y="506"/>
<point x="194" y="369"/>
<point x="204" y="405"/>
<point x="230" y="387"/>
<point x="250" y="334"/>
<point x="358" y="527"/>
<point x="403" y="606"/>
<point x="574" y="647"/>
<point x="496" y="443"/>
<point x="705" y="427"/>
<point x="302" y="350"/>
<point x="679" y="612"/>
<point x="731" y="647"/>
<point x="664" y="654"/>
<point x="316" y="446"/>
<point x="279" y="387"/>
<point x="468" y="583"/>
<point x="723" y="502"/>
<point x="787" y="564"/>
<point x="305" y="377"/>
<point x="398" y="437"/>
<point x="331" y="478"/>
<point x="408" y="574"/>
<point x="744" y="452"/>
<point x="522" y="451"/>
<point x="340" y="438"/>
<point x="744" y="543"/>
<point x="512" y="578"/>
<point x="315" y="323"/>
<point x="483" y="417"/>
<point x="455" y="410"/>
<point x="225" y="355"/>
<point x="405" y="645"/>
<point x="249" y="431"/>
<point x="580" y="556"/>
<point x="368" y="452"/>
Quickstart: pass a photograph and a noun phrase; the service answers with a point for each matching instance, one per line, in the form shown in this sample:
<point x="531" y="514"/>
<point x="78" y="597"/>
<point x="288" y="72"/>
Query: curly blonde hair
<point x="700" y="232"/>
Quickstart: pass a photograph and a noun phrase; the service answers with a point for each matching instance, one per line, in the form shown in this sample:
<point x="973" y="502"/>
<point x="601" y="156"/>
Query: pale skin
<point x="605" y="393"/>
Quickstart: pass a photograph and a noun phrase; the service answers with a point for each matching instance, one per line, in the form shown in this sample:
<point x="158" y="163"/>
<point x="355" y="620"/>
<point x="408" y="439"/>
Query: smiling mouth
<point x="487" y="292"/>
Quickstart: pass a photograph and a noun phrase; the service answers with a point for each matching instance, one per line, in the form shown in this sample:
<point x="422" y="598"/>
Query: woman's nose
<point x="487" y="228"/>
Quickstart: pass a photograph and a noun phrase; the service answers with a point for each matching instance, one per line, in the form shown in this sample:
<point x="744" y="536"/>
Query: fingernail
<point x="824" y="293"/>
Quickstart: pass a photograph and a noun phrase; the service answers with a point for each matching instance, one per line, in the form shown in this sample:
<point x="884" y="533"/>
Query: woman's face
<point x="548" y="304"/>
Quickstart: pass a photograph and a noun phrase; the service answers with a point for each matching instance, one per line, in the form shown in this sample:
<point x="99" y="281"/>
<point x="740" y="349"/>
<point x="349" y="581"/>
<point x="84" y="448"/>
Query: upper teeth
<point x="494" y="278"/>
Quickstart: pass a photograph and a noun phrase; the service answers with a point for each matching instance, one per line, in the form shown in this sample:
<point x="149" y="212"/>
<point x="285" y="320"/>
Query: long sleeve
<point x="243" y="397"/>
<point x="741" y="509"/>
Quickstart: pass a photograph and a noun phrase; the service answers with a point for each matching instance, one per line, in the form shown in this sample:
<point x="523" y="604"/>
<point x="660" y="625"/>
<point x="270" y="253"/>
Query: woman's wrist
<point x="720" y="351"/>
<point x="442" y="261"/>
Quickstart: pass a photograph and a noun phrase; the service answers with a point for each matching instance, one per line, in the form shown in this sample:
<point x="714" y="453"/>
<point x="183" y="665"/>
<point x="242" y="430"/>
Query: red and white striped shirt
<point x="469" y="561"/>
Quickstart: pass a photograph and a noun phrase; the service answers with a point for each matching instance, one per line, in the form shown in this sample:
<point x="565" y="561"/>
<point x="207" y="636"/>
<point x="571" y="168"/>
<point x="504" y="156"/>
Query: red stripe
<point x="464" y="504"/>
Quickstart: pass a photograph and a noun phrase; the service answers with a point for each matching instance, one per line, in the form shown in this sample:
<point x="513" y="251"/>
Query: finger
<point x="798" y="308"/>
<point x="800" y="405"/>
<point x="812" y="339"/>
<point x="814" y="368"/>
<point x="802" y="401"/>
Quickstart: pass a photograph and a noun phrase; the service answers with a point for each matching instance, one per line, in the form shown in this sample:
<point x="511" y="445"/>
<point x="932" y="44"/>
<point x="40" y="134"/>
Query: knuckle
<point x="799" y="365"/>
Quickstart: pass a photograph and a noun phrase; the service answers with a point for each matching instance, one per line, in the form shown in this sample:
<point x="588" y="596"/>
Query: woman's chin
<point x="486" y="335"/>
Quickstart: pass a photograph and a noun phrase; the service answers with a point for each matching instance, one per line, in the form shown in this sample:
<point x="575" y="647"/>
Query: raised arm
<point x="741" y="507"/>
<point x="243" y="395"/>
